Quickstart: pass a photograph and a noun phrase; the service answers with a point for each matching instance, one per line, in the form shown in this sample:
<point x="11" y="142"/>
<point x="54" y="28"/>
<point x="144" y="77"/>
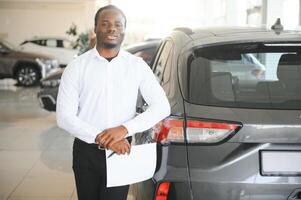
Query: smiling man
<point x="97" y="105"/>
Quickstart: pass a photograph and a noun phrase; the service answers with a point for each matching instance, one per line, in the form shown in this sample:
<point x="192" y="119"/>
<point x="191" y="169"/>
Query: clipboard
<point x="138" y="166"/>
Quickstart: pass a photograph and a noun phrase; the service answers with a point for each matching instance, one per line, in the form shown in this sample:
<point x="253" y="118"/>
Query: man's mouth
<point x="112" y="37"/>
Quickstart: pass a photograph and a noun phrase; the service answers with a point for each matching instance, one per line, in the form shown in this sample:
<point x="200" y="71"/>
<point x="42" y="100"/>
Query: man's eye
<point x="118" y="25"/>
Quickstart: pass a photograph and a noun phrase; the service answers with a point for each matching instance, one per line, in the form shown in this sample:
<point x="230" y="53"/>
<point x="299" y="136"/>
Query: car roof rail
<point x="185" y="30"/>
<point x="277" y="27"/>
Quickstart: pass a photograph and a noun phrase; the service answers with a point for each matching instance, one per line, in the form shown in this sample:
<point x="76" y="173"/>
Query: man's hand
<point x="121" y="147"/>
<point x="110" y="136"/>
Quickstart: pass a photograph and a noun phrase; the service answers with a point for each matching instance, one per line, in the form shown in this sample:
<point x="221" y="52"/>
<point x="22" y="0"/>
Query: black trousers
<point x="89" y="166"/>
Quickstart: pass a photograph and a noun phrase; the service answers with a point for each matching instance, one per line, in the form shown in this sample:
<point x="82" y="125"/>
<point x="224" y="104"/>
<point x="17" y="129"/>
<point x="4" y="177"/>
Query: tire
<point x="27" y="75"/>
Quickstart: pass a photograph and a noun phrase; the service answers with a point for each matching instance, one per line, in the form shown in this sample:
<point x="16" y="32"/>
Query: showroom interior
<point x="35" y="154"/>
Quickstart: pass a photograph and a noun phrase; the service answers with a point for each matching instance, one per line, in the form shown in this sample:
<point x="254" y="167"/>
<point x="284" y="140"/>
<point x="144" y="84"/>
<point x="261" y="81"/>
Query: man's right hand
<point x="121" y="147"/>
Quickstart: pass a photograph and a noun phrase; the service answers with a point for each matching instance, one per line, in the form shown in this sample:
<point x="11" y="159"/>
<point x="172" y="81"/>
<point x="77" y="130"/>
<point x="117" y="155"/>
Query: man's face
<point x="110" y="29"/>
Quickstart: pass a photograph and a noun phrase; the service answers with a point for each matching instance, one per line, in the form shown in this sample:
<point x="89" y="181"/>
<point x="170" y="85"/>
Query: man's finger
<point x="104" y="136"/>
<point x="110" y="141"/>
<point x="101" y="138"/>
<point x="123" y="151"/>
<point x="126" y="146"/>
<point x="126" y="150"/>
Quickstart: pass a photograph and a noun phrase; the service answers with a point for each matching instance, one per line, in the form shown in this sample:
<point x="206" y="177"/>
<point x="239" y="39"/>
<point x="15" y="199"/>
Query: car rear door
<point x="243" y="131"/>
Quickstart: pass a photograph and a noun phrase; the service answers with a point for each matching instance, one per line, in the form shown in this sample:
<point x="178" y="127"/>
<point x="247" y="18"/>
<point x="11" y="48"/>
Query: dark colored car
<point x="232" y="134"/>
<point x="49" y="85"/>
<point x="26" y="68"/>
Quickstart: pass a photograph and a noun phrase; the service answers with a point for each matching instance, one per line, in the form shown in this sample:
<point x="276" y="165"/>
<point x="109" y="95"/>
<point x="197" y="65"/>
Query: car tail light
<point x="162" y="191"/>
<point x="198" y="131"/>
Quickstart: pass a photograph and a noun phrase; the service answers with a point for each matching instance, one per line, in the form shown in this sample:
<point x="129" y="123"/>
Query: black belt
<point x="93" y="145"/>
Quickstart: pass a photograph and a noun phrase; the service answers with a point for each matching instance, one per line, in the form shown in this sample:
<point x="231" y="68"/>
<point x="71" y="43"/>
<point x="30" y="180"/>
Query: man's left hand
<point x="110" y="136"/>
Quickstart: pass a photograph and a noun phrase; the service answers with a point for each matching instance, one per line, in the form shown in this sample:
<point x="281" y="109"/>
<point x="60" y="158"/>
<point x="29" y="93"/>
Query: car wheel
<point x="27" y="75"/>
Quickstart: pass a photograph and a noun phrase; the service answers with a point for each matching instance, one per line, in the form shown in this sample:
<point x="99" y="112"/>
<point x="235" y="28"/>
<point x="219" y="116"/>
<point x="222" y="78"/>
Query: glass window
<point x="147" y="54"/>
<point x="60" y="43"/>
<point x="246" y="75"/>
<point x="51" y="43"/>
<point x="162" y="60"/>
<point x="39" y="42"/>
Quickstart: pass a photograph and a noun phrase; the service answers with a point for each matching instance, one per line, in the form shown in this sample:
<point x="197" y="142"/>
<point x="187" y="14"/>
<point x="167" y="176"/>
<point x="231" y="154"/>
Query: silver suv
<point x="26" y="68"/>
<point x="235" y="128"/>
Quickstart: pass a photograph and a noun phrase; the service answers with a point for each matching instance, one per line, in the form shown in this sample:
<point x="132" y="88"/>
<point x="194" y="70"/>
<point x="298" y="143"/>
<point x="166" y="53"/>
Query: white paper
<point x="138" y="166"/>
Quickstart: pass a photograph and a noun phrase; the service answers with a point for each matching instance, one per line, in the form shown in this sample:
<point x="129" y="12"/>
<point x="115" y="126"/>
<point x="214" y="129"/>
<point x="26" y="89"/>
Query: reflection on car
<point x="57" y="47"/>
<point x="49" y="85"/>
<point x="234" y="129"/>
<point x="26" y="68"/>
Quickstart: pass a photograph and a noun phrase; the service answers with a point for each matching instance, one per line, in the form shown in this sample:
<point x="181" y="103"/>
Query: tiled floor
<point x="35" y="155"/>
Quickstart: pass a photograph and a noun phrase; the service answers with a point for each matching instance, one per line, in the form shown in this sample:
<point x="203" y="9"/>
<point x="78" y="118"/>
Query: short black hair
<point x="107" y="8"/>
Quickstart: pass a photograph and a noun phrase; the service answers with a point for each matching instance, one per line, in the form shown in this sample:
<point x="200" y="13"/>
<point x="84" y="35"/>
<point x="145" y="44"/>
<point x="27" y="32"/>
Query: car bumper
<point x="237" y="180"/>
<point x="47" y="68"/>
<point x="47" y="98"/>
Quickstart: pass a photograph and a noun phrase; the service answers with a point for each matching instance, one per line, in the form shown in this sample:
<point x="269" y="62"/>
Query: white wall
<point x="287" y="10"/>
<point x="24" y="19"/>
<point x="21" y="19"/>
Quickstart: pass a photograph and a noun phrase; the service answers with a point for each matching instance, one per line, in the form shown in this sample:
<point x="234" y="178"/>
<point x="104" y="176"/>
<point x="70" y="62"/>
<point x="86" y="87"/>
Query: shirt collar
<point x="95" y="53"/>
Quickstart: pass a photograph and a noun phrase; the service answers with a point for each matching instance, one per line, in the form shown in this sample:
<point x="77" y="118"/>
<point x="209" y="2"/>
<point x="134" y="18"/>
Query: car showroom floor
<point x="35" y="155"/>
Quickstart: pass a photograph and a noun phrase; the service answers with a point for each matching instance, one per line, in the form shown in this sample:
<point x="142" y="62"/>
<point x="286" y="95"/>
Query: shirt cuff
<point x="129" y="127"/>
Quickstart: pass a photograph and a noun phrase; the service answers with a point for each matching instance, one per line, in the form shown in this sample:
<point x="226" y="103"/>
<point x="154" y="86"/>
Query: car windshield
<point x="257" y="75"/>
<point x="8" y="45"/>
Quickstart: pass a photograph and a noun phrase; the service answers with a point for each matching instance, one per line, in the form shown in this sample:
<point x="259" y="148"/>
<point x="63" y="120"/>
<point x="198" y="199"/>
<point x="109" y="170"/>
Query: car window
<point x="39" y="42"/>
<point x="160" y="64"/>
<point x="246" y="75"/>
<point x="146" y="54"/>
<point x="51" y="43"/>
<point x="168" y="66"/>
<point x="60" y="43"/>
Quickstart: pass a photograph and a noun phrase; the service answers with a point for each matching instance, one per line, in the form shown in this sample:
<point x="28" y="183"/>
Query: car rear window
<point x="261" y="75"/>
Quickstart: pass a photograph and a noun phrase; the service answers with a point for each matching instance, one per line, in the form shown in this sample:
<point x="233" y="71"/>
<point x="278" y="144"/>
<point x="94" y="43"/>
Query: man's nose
<point x="112" y="28"/>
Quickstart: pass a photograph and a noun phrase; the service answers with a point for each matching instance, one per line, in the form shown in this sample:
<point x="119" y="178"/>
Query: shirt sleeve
<point x="154" y="96"/>
<point x="68" y="105"/>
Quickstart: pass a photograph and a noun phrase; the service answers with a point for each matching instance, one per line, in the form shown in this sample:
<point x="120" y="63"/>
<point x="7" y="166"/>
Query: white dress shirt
<point x="96" y="94"/>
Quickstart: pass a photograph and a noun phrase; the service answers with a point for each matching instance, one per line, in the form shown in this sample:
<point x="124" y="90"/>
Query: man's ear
<point x="95" y="29"/>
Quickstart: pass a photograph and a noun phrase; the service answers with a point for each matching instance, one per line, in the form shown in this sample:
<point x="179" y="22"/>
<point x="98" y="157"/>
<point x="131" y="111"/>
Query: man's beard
<point x="107" y="45"/>
<point x="110" y="45"/>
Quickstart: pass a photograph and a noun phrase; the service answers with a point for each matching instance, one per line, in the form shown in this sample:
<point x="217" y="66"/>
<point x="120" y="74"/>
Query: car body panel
<point x="231" y="169"/>
<point x="11" y="58"/>
<point x="41" y="45"/>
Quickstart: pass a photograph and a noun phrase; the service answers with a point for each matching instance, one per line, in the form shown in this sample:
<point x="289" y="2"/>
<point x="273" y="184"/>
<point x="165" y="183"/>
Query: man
<point x="97" y="104"/>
